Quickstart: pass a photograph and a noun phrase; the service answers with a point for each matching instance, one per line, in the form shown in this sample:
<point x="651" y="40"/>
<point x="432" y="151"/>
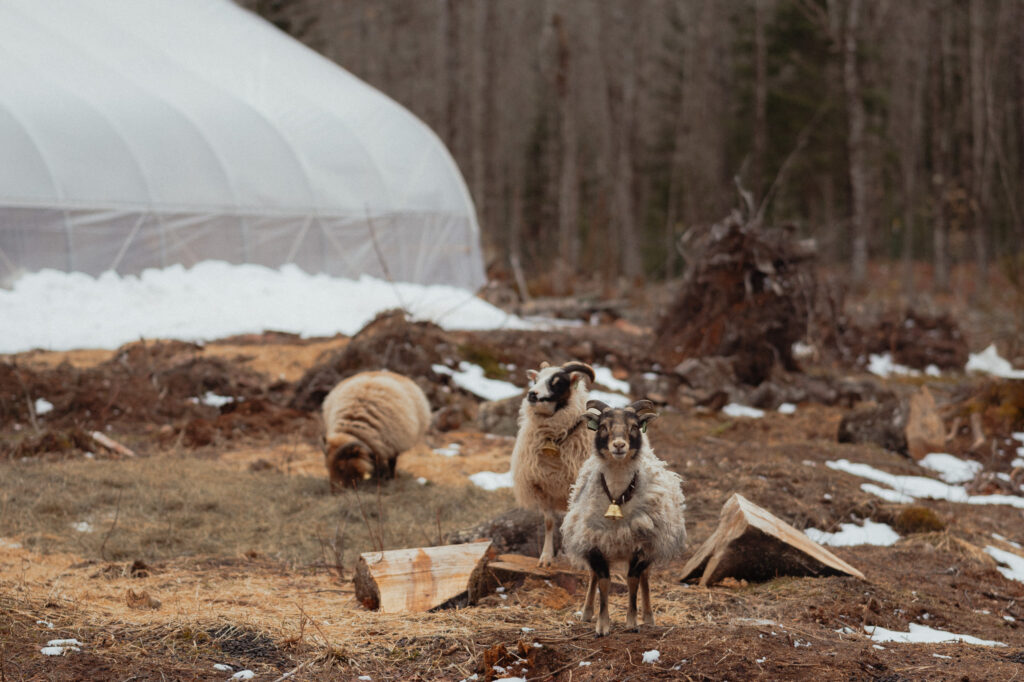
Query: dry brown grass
<point x="172" y="506"/>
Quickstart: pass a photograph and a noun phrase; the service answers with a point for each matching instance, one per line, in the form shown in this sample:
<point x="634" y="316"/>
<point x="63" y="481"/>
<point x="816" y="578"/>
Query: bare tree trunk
<point x="568" y="181"/>
<point x="859" y="225"/>
<point x="979" y="140"/>
<point x="940" y="150"/>
<point x="760" y="149"/>
<point x="477" y="123"/>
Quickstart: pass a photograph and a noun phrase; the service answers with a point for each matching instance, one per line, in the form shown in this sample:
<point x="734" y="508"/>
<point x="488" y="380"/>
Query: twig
<point x="517" y="271"/>
<point x="288" y="674"/>
<point x="28" y="399"/>
<point x="117" y="512"/>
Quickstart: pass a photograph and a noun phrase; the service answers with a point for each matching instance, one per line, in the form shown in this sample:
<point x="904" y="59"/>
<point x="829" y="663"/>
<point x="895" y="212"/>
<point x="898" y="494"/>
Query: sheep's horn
<point x="596" y="405"/>
<point x="642" y="406"/>
<point x="544" y="363"/>
<point x="580" y="367"/>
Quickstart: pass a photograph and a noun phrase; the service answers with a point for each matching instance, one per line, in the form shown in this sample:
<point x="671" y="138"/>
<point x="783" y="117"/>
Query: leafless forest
<point x="885" y="130"/>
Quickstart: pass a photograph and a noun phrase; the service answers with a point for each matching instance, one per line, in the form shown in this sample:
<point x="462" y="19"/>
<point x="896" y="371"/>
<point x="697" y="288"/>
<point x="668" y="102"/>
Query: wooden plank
<point x="420" y="578"/>
<point x="753" y="544"/>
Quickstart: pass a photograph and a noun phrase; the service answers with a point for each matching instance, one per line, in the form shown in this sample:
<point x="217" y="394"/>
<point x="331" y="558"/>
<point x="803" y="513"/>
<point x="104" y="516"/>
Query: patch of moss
<point x="486" y="358"/>
<point x="918" y="520"/>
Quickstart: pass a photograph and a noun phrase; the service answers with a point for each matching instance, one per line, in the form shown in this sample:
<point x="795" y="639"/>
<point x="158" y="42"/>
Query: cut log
<point x="752" y="544"/>
<point x="419" y="579"/>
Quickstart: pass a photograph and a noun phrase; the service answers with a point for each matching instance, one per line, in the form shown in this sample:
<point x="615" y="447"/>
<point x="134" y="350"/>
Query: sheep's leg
<point x="632" y="582"/>
<point x="637" y="577"/>
<point x="645" y="593"/>
<point x="602" y="575"/>
<point x="588" y="605"/>
<point x="391" y="466"/>
<point x="547" y="554"/>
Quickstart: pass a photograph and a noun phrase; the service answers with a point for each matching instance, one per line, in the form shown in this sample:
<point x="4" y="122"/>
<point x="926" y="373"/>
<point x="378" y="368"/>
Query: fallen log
<point x="516" y="567"/>
<point x="420" y="578"/>
<point x="752" y="544"/>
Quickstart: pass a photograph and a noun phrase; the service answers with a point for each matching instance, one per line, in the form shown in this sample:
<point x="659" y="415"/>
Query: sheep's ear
<point x="596" y="405"/>
<point x="544" y="364"/>
<point x="532" y="374"/>
<point x="592" y="422"/>
<point x="580" y="368"/>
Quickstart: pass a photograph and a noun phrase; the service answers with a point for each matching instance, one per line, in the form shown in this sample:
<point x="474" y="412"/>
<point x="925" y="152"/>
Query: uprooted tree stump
<point x="421" y="578"/>
<point x="752" y="544"/>
<point x="748" y="295"/>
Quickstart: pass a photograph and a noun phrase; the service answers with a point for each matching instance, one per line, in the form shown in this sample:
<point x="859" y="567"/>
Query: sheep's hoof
<point x="545" y="560"/>
<point x="587" y="616"/>
<point x="602" y="628"/>
<point x="649" y="619"/>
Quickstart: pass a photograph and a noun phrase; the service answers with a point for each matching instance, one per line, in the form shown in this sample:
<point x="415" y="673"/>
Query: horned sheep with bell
<point x="626" y="506"/>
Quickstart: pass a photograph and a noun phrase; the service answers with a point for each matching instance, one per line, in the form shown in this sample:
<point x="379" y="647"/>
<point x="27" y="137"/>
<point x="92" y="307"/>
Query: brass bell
<point x="549" y="449"/>
<point x="367" y="476"/>
<point x="613" y="512"/>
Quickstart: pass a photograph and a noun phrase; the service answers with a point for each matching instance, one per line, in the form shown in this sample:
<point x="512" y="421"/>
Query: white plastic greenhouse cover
<point x="144" y="133"/>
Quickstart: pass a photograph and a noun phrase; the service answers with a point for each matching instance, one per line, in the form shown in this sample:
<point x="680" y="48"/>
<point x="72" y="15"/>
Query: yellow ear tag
<point x="614" y="512"/>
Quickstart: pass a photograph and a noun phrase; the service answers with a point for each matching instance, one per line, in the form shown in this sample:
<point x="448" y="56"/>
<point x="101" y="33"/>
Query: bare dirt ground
<point x="220" y="544"/>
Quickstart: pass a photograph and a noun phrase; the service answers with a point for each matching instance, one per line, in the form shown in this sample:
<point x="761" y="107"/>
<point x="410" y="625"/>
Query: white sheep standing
<point x="369" y="419"/>
<point x="552" y="443"/>
<point x="626" y="506"/>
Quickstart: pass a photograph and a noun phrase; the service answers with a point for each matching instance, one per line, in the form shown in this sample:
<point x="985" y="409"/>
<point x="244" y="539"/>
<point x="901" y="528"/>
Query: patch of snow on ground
<point x="737" y="410"/>
<point x="61" y="311"/>
<point x="951" y="469"/>
<point x="213" y="400"/>
<point x="882" y="365"/>
<point x="43" y="406"/>
<point x="651" y="656"/>
<point x="787" y="408"/>
<point x="471" y="378"/>
<point x="47" y="623"/>
<point x="988" y="361"/>
<point x="57" y="650"/>
<point x="223" y="667"/>
<point x="450" y="450"/>
<point x="9" y="544"/>
<point x="922" y="487"/>
<point x="82" y="526"/>
<point x="1012" y="565"/>
<point x="243" y="675"/>
<point x="886" y="494"/>
<point x="489" y="480"/>
<point x="922" y="634"/>
<point x="604" y="376"/>
<point x="870" y="533"/>
<point x="610" y="399"/>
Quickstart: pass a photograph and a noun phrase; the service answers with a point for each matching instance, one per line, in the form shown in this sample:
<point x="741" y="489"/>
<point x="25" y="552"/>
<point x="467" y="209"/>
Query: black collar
<point x="626" y="495"/>
<point x="572" y="429"/>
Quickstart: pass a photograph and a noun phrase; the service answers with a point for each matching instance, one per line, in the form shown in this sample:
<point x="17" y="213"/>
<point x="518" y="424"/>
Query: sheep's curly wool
<point x="652" y="520"/>
<point x="542" y="481"/>
<point x="385" y="411"/>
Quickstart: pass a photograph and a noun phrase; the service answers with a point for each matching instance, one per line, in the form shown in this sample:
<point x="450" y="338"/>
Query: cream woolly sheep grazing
<point x="369" y="419"/>
<point x="552" y="443"/>
<point x="626" y="506"/>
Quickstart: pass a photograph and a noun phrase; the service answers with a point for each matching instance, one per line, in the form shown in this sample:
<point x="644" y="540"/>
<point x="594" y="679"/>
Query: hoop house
<point x="144" y="133"/>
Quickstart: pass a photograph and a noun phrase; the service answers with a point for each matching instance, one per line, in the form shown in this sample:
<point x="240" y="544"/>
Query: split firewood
<point x="752" y="544"/>
<point x="420" y="578"/>
<point x="111" y="444"/>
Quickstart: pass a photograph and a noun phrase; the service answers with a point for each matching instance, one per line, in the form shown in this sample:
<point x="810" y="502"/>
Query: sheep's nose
<point x="619" y="444"/>
<point x="532" y="396"/>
